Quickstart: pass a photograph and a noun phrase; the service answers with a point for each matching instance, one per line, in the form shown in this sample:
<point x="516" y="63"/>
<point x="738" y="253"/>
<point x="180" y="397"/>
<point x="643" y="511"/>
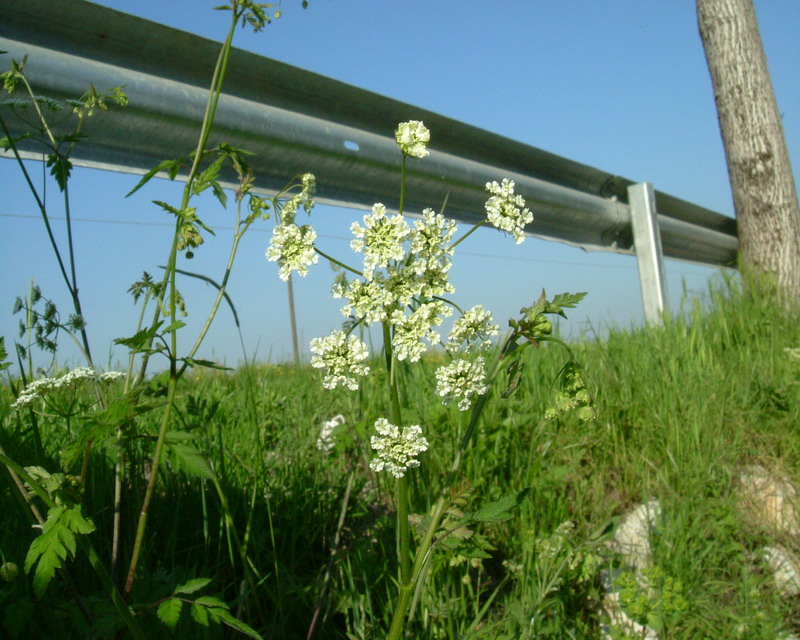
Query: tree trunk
<point x="764" y="191"/>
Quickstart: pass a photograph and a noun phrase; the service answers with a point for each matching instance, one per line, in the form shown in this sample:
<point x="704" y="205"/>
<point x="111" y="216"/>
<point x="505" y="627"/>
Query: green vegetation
<point x="679" y="410"/>
<point x="439" y="487"/>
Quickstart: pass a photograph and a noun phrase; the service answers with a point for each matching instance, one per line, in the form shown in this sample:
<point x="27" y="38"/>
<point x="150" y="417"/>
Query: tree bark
<point x="764" y="191"/>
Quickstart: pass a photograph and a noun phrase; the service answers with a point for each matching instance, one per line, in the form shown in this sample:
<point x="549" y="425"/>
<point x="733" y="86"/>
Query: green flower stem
<point x="239" y="233"/>
<point x="337" y="262"/>
<point x="468" y="233"/>
<point x="151" y="485"/>
<point x="411" y="585"/>
<point x="401" y="488"/>
<point x="169" y="278"/>
<point x="205" y="130"/>
<point x="72" y="283"/>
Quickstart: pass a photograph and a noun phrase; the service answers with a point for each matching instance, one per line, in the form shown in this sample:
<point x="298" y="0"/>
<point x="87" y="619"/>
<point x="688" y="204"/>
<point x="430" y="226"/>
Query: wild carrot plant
<point x="402" y="286"/>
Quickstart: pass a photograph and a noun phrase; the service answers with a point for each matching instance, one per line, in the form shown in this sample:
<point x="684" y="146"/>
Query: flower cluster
<point x="506" y="210"/>
<point x="409" y="330"/>
<point x="396" y="449"/>
<point x="380" y="239"/>
<point x="308" y="186"/>
<point x="413" y="137"/>
<point x="573" y="396"/>
<point x="292" y="247"/>
<point x="342" y="357"/>
<point x="70" y="380"/>
<point x="461" y="380"/>
<point x="405" y="269"/>
<point x="473" y="325"/>
<point x="325" y="439"/>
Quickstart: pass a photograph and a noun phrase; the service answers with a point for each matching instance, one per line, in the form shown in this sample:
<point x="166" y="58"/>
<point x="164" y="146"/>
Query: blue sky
<point x="618" y="85"/>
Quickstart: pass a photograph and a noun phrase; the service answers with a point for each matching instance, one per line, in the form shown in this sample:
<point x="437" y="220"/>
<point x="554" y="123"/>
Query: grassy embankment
<point x="681" y="409"/>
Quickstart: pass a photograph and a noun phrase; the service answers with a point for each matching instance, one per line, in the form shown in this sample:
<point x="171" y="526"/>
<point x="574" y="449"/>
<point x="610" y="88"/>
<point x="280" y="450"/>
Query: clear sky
<point x="620" y="85"/>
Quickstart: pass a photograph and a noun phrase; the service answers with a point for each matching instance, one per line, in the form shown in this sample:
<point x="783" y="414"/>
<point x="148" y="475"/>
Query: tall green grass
<point x="681" y="409"/>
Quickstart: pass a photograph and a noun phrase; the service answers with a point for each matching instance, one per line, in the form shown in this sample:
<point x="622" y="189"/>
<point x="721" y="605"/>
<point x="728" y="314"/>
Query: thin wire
<point x="344" y="239"/>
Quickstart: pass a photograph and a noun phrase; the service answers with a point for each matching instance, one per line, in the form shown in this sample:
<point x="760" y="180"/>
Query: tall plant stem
<point x="151" y="485"/>
<point x="413" y="581"/>
<point x="169" y="280"/>
<point x="401" y="489"/>
<point x="205" y="130"/>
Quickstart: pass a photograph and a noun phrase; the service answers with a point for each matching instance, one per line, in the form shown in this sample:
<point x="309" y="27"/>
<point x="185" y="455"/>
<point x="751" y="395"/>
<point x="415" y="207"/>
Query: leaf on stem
<point x="500" y="509"/>
<point x="172" y="167"/>
<point x="51" y="549"/>
<point x="169" y="612"/>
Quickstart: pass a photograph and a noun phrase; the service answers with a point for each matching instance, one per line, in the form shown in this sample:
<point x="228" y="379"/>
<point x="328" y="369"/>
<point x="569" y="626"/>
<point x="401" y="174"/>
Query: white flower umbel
<point x="396" y="449"/>
<point x="410" y="330"/>
<point x="70" y="380"/>
<point x="381" y="238"/>
<point x="292" y="247"/>
<point x="342" y="357"/>
<point x="461" y="380"/>
<point x="506" y="210"/>
<point x="474" y="325"/>
<point x="431" y="236"/>
<point x="413" y="137"/>
<point x="368" y="300"/>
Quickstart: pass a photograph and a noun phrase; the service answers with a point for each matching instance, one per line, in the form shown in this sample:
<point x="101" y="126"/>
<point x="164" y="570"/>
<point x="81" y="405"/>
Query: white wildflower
<point x="342" y="357"/>
<point x="431" y="235"/>
<point x="473" y="325"/>
<point x="70" y="380"/>
<point x="461" y="380"/>
<point x="368" y="300"/>
<point x="506" y="210"/>
<point x="380" y="239"/>
<point x="325" y="439"/>
<point x="292" y="247"/>
<point x="396" y="450"/>
<point x="409" y="330"/>
<point x="413" y="137"/>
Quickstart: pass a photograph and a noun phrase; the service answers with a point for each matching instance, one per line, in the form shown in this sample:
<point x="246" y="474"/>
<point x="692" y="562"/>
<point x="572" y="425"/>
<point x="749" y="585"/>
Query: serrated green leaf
<point x="226" y="618"/>
<point x="139" y="339"/>
<point x="174" y="326"/>
<point x="195" y="584"/>
<point x="73" y="518"/>
<point x="169" y="612"/>
<point x="60" y="169"/>
<point x="567" y="300"/>
<point x="190" y="461"/>
<point x="169" y="208"/>
<point x="500" y="509"/>
<point x="171" y="166"/>
<point x="194" y="362"/>
<point x="211" y="601"/>
<point x="57" y="543"/>
<point x="199" y="614"/>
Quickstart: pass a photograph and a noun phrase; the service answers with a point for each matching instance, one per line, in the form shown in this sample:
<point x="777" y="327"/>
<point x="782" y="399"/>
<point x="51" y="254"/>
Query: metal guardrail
<point x="296" y="121"/>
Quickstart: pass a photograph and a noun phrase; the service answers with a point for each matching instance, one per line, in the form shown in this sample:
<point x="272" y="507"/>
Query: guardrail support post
<point x="649" y="256"/>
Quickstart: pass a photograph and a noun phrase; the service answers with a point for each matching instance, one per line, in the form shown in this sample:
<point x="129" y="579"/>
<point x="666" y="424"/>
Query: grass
<point x="681" y="409"/>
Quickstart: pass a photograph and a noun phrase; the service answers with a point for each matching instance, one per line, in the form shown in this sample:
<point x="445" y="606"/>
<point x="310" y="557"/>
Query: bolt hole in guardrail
<point x="351" y="145"/>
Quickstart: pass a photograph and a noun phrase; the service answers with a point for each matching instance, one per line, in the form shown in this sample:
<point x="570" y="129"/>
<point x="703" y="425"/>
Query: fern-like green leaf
<point x="195" y="584"/>
<point x="169" y="612"/>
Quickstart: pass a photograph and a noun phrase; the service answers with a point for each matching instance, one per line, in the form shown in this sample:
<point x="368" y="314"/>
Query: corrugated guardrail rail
<point x="296" y="121"/>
